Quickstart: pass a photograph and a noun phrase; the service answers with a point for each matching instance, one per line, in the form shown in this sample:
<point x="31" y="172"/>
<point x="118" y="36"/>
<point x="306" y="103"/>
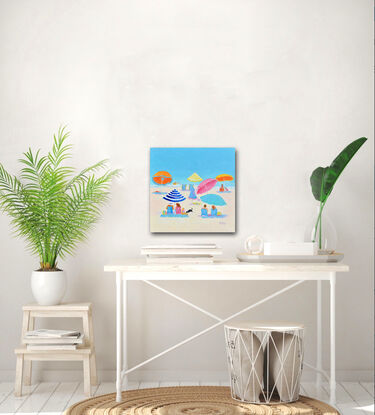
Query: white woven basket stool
<point x="265" y="361"/>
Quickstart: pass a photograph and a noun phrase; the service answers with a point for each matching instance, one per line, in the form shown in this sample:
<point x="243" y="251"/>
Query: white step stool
<point x="86" y="353"/>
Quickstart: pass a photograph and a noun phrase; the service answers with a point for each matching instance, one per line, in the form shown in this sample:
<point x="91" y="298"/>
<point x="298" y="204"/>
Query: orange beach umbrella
<point x="224" y="178"/>
<point x="162" y="177"/>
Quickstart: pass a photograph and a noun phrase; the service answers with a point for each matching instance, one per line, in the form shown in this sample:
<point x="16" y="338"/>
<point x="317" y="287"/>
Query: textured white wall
<point x="288" y="83"/>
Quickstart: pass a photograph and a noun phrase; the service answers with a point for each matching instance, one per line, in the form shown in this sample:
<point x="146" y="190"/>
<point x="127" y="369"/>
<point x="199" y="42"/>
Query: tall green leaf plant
<point x="323" y="179"/>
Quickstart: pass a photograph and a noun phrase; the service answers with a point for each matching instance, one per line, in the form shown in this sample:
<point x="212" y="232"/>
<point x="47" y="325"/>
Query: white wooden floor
<point x="353" y="398"/>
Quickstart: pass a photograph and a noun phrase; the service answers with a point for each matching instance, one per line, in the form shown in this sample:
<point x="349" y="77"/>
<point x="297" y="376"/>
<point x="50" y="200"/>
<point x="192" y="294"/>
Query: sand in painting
<point x="194" y="222"/>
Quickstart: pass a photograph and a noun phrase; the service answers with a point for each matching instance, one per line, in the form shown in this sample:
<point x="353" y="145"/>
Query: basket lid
<point x="265" y="325"/>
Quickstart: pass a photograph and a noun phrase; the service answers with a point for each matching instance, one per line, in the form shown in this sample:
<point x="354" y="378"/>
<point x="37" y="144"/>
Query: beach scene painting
<point x="192" y="189"/>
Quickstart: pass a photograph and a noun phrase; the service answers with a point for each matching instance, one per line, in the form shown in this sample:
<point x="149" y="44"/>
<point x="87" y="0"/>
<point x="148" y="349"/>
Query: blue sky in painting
<point x="182" y="162"/>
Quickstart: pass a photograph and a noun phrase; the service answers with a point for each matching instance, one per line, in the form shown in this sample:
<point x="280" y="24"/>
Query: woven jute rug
<point x="190" y="400"/>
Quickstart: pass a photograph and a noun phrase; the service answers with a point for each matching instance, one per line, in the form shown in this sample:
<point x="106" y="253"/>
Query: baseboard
<point x="170" y="375"/>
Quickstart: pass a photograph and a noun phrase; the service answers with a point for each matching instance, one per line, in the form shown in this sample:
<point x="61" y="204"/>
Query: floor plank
<point x="59" y="398"/>
<point x="349" y="409"/>
<point x="368" y="409"/>
<point x="369" y="386"/>
<point x="38" y="398"/>
<point x="342" y="396"/>
<point x="302" y="390"/>
<point x="363" y="398"/>
<point x="133" y="385"/>
<point x="208" y="383"/>
<point x="344" y="402"/>
<point x="189" y="383"/>
<point x="313" y="391"/>
<point x="358" y="392"/>
<point x="11" y="404"/>
<point x="105" y="387"/>
<point x="146" y="385"/>
<point x="168" y="384"/>
<point x="78" y="395"/>
<point x="6" y="388"/>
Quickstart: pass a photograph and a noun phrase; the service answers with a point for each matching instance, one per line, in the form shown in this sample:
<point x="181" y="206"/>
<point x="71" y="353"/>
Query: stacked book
<point x="45" y="339"/>
<point x="186" y="253"/>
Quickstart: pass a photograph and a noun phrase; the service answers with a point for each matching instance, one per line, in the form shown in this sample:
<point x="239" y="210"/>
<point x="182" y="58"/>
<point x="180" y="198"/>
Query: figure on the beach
<point x="223" y="189"/>
<point x="204" y="211"/>
<point x="213" y="210"/>
<point x="169" y="209"/>
<point x="178" y="209"/>
<point x="192" y="194"/>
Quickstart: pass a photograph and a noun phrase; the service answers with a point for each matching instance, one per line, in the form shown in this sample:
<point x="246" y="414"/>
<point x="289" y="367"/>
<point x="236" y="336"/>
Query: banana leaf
<point x="323" y="179"/>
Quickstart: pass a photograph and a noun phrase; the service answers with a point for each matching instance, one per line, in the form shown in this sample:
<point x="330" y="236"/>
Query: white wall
<point x="286" y="82"/>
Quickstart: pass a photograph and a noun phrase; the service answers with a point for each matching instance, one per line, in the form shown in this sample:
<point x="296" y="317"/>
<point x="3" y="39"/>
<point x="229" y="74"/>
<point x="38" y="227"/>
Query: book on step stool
<point x="52" y="333"/>
<point x="54" y="340"/>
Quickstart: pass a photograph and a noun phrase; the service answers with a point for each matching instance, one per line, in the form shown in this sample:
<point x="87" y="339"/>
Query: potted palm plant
<point x="53" y="209"/>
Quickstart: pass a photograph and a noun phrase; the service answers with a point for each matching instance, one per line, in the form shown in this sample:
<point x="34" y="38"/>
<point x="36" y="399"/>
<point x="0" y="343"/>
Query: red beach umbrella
<point x="206" y="185"/>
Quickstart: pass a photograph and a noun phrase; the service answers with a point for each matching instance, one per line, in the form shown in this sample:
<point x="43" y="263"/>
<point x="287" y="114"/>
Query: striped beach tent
<point x="174" y="196"/>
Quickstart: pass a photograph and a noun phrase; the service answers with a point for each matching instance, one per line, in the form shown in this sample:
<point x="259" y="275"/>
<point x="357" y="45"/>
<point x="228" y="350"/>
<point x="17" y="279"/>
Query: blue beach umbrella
<point x="213" y="200"/>
<point x="174" y="196"/>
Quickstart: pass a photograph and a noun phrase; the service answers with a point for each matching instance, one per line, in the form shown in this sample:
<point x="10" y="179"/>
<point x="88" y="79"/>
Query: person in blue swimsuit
<point x="169" y="210"/>
<point x="213" y="211"/>
<point x="204" y="211"/>
<point x="192" y="194"/>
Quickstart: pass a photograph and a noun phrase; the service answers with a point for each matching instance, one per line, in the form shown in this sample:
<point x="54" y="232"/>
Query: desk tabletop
<point x="222" y="265"/>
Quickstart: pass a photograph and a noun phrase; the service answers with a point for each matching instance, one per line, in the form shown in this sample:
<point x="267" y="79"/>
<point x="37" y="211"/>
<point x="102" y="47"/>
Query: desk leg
<point x="319" y="364"/>
<point x="333" y="338"/>
<point x="118" y="334"/>
<point x="125" y="329"/>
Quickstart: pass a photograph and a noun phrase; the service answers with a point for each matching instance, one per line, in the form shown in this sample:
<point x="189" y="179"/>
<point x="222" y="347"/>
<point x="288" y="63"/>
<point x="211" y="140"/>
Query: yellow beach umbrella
<point x="195" y="178"/>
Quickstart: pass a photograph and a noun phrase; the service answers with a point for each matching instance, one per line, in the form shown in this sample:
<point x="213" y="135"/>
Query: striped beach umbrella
<point x="174" y="196"/>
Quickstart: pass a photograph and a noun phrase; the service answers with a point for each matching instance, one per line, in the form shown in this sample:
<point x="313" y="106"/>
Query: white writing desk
<point x="138" y="270"/>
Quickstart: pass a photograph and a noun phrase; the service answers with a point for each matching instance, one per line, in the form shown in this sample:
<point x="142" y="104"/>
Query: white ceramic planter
<point x="48" y="287"/>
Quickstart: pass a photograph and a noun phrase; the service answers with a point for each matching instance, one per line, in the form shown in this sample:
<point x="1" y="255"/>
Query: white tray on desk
<point x="244" y="257"/>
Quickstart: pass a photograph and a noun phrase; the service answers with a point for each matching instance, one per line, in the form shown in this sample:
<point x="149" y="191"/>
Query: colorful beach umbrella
<point x="162" y="177"/>
<point x="211" y="199"/>
<point x="195" y="178"/>
<point x="206" y="185"/>
<point x="224" y="178"/>
<point x="174" y="196"/>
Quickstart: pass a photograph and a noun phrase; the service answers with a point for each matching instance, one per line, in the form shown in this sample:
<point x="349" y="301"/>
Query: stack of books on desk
<point x="186" y="253"/>
<point x="45" y="339"/>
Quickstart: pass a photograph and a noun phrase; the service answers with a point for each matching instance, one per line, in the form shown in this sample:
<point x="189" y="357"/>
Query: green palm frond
<point x="49" y="206"/>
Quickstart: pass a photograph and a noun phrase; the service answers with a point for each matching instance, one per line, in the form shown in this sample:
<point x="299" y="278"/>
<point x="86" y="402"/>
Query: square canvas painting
<point x="192" y="189"/>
